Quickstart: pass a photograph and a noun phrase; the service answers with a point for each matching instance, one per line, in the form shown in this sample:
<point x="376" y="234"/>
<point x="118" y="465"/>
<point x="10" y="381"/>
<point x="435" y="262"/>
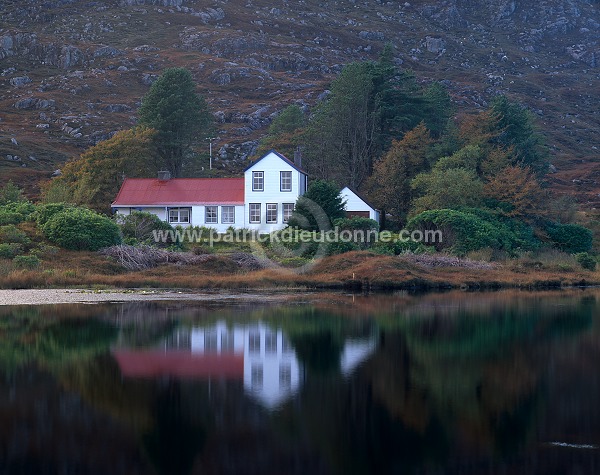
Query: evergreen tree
<point x="179" y="115"/>
<point x="318" y="207"/>
<point x="438" y="109"/>
<point x="516" y="131"/>
<point x="341" y="135"/>
<point x="285" y="132"/>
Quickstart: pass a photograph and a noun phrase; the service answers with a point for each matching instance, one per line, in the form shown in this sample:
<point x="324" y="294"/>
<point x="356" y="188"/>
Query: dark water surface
<point x="447" y="383"/>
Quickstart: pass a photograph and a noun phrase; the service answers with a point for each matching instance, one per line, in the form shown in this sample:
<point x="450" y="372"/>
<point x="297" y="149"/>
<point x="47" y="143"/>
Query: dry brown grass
<point x="356" y="270"/>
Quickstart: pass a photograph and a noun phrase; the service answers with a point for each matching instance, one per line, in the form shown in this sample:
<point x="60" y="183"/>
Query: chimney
<point x="164" y="175"/>
<point x="298" y="157"/>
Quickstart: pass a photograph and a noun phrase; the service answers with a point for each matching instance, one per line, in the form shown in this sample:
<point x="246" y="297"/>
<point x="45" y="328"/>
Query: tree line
<point x="379" y="130"/>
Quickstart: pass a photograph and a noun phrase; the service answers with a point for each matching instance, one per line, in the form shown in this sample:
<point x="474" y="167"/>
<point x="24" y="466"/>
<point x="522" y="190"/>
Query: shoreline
<point x="56" y="296"/>
<point x="87" y="296"/>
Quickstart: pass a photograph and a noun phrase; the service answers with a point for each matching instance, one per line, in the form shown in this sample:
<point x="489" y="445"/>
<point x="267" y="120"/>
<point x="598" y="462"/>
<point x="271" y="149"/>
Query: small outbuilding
<point x="356" y="205"/>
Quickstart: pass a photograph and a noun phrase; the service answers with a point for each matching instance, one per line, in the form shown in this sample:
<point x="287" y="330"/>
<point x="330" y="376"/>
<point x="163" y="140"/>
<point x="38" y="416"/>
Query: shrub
<point x="586" y="261"/>
<point x="293" y="262"/>
<point x="357" y="223"/>
<point x="15" y="212"/>
<point x="81" y="229"/>
<point x="140" y="226"/>
<point x="11" y="234"/>
<point x="43" y="213"/>
<point x="571" y="238"/>
<point x="26" y="262"/>
<point x="44" y="250"/>
<point x="471" y="229"/>
<point x="9" y="217"/>
<point x="365" y="226"/>
<point x="10" y="250"/>
<point x="340" y="247"/>
<point x="10" y="193"/>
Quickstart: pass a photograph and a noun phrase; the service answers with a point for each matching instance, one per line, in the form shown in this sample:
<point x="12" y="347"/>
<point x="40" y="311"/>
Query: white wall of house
<point x="271" y="167"/>
<point x="356" y="203"/>
<point x="199" y="217"/>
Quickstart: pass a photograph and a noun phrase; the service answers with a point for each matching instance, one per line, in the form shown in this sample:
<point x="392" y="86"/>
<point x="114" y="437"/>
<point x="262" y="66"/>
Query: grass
<point x="353" y="270"/>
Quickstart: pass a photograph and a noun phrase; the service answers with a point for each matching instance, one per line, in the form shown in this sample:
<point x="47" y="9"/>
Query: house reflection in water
<point x="258" y="354"/>
<point x="271" y="370"/>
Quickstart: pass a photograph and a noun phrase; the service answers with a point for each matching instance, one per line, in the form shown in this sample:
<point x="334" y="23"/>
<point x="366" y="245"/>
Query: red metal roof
<point x="180" y="191"/>
<point x="179" y="364"/>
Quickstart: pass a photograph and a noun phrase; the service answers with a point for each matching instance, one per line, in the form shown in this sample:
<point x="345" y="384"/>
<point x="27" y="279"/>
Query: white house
<point x="356" y="205"/>
<point x="262" y="200"/>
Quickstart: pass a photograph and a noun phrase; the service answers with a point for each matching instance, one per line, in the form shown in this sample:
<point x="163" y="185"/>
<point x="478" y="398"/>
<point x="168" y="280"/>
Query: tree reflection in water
<point x="454" y="382"/>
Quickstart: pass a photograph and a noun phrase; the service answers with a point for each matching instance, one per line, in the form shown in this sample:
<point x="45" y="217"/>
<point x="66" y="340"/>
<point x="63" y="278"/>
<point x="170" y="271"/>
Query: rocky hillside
<point x="73" y="71"/>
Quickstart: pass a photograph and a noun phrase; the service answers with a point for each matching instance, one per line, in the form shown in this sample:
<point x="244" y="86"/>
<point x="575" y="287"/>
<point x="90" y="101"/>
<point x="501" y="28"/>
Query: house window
<point x="256" y="376"/>
<point x="258" y="181"/>
<point x="286" y="346"/>
<point x="179" y="215"/>
<point x="254" y="342"/>
<point x="288" y="209"/>
<point x="210" y="341"/>
<point x="285" y="376"/>
<point x="210" y="215"/>
<point x="255" y="212"/>
<point x="227" y="342"/>
<point x="271" y="342"/>
<point x="271" y="212"/>
<point x="285" y="181"/>
<point x="228" y="214"/>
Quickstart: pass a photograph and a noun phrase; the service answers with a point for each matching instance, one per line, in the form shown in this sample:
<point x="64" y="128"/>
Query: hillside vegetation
<point x="73" y="73"/>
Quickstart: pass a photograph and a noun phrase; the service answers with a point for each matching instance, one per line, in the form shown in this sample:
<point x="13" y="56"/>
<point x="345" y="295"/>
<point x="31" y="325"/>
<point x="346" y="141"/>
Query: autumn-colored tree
<point x="94" y="179"/>
<point x="449" y="188"/>
<point x="389" y="186"/>
<point x="477" y="129"/>
<point x="517" y="193"/>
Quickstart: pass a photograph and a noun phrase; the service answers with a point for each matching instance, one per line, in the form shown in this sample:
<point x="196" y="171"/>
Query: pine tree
<point x="179" y="115"/>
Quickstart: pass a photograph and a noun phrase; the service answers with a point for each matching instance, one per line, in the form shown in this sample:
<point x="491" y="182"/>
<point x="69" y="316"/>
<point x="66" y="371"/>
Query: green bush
<point x="340" y="247"/>
<point x="81" y="229"/>
<point x="15" y="212"/>
<point x="586" y="261"/>
<point x="44" y="250"/>
<point x="44" y="212"/>
<point x="365" y="226"/>
<point x="10" y="250"/>
<point x="26" y="262"/>
<point x="571" y="238"/>
<point x="140" y="225"/>
<point x="357" y="223"/>
<point x="9" y="217"/>
<point x="10" y="233"/>
<point x="468" y="230"/>
<point x="10" y="193"/>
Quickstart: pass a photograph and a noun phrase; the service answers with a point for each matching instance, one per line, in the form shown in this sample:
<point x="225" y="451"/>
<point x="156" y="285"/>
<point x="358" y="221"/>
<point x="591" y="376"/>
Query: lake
<point x="469" y="383"/>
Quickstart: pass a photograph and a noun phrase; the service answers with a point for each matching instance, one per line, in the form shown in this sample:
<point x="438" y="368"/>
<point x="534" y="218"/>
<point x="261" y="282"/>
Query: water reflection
<point x="452" y="383"/>
<point x="258" y="354"/>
